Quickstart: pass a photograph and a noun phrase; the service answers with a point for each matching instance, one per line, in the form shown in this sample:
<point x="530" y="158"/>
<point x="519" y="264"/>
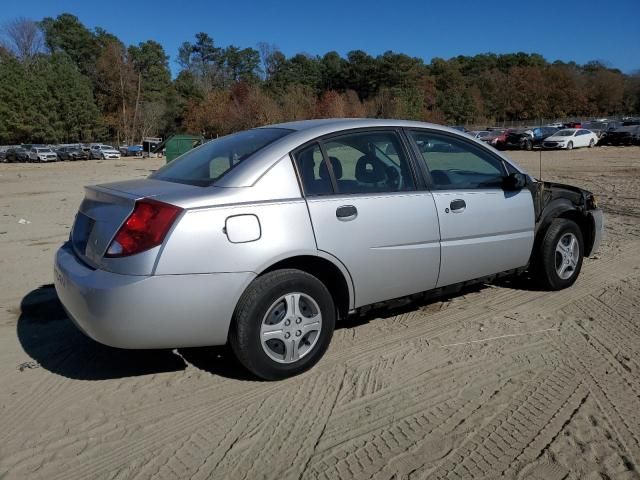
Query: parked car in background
<point x="570" y="138"/>
<point x="596" y="126"/>
<point x="103" y="152"/>
<point x="526" y="139"/>
<point x="17" y="154"/>
<point x="460" y="128"/>
<point x="42" y="154"/>
<point x="496" y="138"/>
<point x="265" y="238"/>
<point x="72" y="153"/>
<point x="480" y="134"/>
<point x="572" y="125"/>
<point x="134" y="151"/>
<point x="557" y="125"/>
<point x="130" y="150"/>
<point x="627" y="135"/>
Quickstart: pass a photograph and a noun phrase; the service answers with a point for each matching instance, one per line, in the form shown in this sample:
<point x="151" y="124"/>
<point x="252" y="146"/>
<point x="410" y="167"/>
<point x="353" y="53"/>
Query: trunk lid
<point x="105" y="208"/>
<point x="98" y="219"/>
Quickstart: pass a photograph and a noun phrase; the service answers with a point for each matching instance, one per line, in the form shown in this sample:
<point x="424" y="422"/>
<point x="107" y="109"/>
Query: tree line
<point x="63" y="82"/>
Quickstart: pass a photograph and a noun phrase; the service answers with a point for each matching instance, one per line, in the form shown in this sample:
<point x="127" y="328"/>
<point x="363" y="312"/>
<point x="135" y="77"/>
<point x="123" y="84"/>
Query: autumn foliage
<point x="95" y="87"/>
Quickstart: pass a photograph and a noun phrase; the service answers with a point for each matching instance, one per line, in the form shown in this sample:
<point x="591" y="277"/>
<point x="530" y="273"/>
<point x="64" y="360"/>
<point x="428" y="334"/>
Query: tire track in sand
<point x="174" y="418"/>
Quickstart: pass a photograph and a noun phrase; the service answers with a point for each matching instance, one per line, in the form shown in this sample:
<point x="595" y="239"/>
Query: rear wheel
<point x="591" y="143"/>
<point x="560" y="256"/>
<point x="283" y="324"/>
<point x="528" y="145"/>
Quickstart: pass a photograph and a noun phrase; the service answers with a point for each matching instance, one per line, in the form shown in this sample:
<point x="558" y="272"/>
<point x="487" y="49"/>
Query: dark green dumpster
<point x="179" y="144"/>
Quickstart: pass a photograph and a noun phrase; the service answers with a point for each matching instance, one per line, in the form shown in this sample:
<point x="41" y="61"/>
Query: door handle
<point x="458" y="205"/>
<point x="346" y="213"/>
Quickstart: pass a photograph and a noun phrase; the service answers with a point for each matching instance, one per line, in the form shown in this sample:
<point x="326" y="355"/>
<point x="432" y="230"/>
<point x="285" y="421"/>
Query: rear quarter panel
<point x="199" y="243"/>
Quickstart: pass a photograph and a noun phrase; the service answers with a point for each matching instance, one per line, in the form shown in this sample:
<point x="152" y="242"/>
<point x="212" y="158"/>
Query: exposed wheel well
<point x="586" y="228"/>
<point x="583" y="221"/>
<point x="326" y="272"/>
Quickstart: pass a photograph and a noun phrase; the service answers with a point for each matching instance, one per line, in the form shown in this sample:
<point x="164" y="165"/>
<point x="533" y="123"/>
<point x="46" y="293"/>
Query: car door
<point x="370" y="211"/>
<point x="583" y="138"/>
<point x="483" y="228"/>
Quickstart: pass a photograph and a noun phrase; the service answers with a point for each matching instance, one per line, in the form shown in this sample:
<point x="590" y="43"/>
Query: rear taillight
<point x="145" y="228"/>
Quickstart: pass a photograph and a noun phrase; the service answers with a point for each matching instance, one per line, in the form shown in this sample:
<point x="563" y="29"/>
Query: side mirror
<point x="514" y="181"/>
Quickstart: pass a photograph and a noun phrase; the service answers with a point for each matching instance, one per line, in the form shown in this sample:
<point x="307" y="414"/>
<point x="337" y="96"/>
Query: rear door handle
<point x="458" y="205"/>
<point x="346" y="213"/>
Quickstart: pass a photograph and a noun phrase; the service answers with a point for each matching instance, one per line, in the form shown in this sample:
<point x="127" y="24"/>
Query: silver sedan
<point x="265" y="238"/>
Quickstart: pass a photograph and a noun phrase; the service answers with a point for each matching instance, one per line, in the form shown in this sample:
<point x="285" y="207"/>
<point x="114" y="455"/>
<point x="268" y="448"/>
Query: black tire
<point x="570" y="146"/>
<point x="591" y="143"/>
<point x="545" y="263"/>
<point x="528" y="145"/>
<point x="255" y="303"/>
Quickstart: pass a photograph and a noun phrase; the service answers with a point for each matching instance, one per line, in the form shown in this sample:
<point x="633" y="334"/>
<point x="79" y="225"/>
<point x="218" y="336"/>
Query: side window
<point x="368" y="162"/>
<point x="456" y="164"/>
<point x="582" y="132"/>
<point x="314" y="173"/>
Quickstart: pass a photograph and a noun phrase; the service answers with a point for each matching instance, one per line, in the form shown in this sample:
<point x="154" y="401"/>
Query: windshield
<point x="204" y="165"/>
<point x="44" y="150"/>
<point x="564" y="133"/>
<point x="107" y="147"/>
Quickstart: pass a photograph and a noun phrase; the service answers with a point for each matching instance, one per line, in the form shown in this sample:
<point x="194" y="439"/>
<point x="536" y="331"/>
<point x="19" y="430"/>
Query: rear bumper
<point x="160" y="311"/>
<point x="597" y="217"/>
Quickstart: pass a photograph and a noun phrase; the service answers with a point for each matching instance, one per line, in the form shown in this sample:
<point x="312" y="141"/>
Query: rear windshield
<point x="204" y="165"/>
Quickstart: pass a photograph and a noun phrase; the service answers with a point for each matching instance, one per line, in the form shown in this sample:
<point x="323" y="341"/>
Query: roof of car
<point x="247" y="173"/>
<point x="345" y="123"/>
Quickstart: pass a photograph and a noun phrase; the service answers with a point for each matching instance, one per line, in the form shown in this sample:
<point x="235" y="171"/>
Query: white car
<point x="479" y="134"/>
<point x="103" y="152"/>
<point x="42" y="154"/>
<point x="571" y="138"/>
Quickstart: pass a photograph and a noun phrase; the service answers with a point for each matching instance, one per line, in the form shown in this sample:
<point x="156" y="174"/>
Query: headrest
<point x="306" y="164"/>
<point x="370" y="169"/>
<point x="337" y="169"/>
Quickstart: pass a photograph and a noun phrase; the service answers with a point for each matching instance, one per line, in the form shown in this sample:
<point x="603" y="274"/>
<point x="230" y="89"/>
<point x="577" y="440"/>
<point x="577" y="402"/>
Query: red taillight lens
<point x="145" y="228"/>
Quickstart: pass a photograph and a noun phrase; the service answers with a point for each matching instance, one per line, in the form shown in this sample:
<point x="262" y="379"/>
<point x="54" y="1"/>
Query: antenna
<point x="540" y="166"/>
<point x="540" y="181"/>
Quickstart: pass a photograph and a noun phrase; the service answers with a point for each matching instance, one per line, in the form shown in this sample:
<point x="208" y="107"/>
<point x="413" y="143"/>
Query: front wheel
<point x="560" y="256"/>
<point x="528" y="145"/>
<point x="570" y="146"/>
<point x="282" y="324"/>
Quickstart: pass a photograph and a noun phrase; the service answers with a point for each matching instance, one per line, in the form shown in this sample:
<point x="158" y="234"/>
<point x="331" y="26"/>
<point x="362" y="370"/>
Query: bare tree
<point x="151" y="118"/>
<point x="268" y="57"/>
<point x="23" y="37"/>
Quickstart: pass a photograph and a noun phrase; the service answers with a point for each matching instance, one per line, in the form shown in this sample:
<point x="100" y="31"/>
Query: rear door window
<point x="313" y="171"/>
<point x="369" y="162"/>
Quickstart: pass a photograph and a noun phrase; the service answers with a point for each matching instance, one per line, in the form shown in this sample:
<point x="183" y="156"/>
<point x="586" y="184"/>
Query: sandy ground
<point x="425" y="391"/>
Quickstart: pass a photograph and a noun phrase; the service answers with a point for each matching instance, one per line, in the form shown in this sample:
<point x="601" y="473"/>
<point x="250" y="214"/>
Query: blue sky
<point x="580" y="30"/>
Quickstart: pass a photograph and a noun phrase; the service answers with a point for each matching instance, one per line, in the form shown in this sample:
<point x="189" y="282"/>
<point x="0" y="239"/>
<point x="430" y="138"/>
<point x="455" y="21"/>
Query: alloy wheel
<point x="567" y="255"/>
<point x="291" y="327"/>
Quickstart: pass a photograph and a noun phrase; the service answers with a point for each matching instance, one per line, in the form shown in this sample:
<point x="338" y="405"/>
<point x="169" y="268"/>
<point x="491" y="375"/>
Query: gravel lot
<point x="500" y="381"/>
